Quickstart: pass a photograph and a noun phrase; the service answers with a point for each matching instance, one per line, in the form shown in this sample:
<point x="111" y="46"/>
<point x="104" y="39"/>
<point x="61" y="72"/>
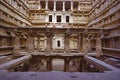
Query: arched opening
<point x="59" y="5"/>
<point x="51" y="5"/>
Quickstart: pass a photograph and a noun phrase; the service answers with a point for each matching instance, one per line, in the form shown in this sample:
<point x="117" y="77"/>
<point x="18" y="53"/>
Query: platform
<point x="59" y="76"/>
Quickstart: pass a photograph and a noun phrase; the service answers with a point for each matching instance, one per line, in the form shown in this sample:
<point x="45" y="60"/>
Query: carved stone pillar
<point x="66" y="64"/>
<point x="79" y="43"/>
<point x="30" y="43"/>
<point x="66" y="43"/>
<point x="98" y="45"/>
<point x="38" y="43"/>
<point x="89" y="44"/>
<point x="49" y="64"/>
<point x="84" y="44"/>
<point x="80" y="65"/>
<point x="49" y="42"/>
<point x="17" y="44"/>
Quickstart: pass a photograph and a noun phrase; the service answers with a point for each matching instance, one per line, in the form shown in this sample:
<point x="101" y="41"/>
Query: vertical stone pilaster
<point x="66" y="64"/>
<point x="30" y="43"/>
<point x="98" y="46"/>
<point x="66" y="43"/>
<point x="49" y="64"/>
<point x="80" y="69"/>
<point x="89" y="44"/>
<point x="84" y="44"/>
<point x="38" y="44"/>
<point x="17" y="44"/>
<point x="79" y="43"/>
<point x="49" y="42"/>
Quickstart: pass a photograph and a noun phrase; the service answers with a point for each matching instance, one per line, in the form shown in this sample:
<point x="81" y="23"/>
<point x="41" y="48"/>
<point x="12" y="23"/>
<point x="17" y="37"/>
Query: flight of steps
<point x="113" y="62"/>
<point x="4" y="59"/>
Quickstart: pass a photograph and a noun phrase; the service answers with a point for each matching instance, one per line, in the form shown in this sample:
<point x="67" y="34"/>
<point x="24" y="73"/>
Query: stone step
<point x="4" y="59"/>
<point x="112" y="61"/>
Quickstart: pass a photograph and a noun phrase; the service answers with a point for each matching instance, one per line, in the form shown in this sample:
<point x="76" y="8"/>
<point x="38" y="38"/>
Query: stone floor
<point x="58" y="76"/>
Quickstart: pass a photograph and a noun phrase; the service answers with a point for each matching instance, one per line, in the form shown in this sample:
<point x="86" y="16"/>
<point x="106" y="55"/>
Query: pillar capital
<point x="17" y="34"/>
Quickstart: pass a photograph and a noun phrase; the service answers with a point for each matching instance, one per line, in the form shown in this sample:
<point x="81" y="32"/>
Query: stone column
<point x="80" y="65"/>
<point x="49" y="42"/>
<point x="98" y="45"/>
<point x="71" y="5"/>
<point x="30" y="43"/>
<point x="38" y="44"/>
<point x="79" y="43"/>
<point x="89" y="44"/>
<point x="46" y="5"/>
<point x="66" y="43"/>
<point x="66" y="64"/>
<point x="17" y="44"/>
<point x="54" y="6"/>
<point x="49" y="64"/>
<point x="84" y="44"/>
<point x="63" y="5"/>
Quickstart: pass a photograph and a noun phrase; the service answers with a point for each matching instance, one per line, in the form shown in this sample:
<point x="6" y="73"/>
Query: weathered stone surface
<point x="59" y="76"/>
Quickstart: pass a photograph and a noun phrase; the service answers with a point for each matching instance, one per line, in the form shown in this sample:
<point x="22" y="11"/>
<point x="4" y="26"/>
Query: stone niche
<point x="58" y="42"/>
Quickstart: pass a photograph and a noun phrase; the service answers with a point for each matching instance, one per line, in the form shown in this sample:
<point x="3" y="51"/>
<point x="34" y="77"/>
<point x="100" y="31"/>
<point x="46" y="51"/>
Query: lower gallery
<point x="59" y="39"/>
